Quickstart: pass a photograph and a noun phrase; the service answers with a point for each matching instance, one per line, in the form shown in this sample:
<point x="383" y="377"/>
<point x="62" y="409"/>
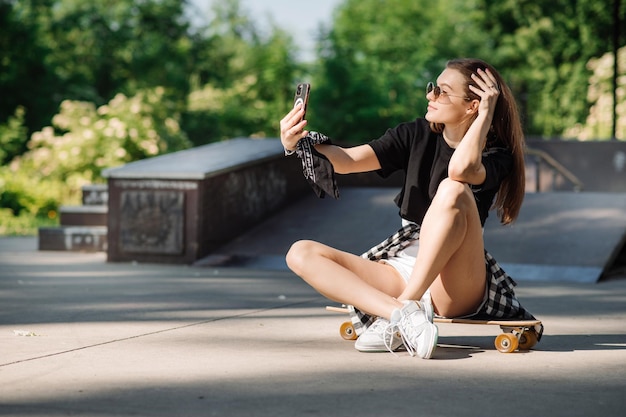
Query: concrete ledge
<point x="177" y="208"/>
<point x="95" y="194"/>
<point x="83" y="215"/>
<point x="201" y="162"/>
<point x="83" y="228"/>
<point x="70" y="238"/>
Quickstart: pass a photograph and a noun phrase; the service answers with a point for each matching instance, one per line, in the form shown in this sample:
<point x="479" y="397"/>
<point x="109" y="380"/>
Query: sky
<point x="301" y="18"/>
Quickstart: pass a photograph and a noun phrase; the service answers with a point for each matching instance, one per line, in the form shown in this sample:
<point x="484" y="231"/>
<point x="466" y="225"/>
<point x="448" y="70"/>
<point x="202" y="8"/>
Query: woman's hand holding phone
<point x="292" y="125"/>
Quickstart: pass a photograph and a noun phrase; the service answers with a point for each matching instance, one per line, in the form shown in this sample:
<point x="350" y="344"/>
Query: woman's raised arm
<point x="360" y="158"/>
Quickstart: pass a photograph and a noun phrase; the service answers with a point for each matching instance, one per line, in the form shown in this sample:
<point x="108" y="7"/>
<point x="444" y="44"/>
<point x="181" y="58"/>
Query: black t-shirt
<point x="424" y="156"/>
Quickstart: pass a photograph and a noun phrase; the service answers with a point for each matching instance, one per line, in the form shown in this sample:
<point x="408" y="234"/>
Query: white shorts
<point x="404" y="261"/>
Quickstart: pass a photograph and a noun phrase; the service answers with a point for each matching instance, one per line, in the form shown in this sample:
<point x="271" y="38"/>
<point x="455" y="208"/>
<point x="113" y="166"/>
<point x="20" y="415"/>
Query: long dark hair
<point x="506" y="127"/>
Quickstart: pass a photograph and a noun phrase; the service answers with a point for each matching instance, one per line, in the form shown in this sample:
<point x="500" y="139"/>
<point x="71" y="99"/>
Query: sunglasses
<point x="436" y="90"/>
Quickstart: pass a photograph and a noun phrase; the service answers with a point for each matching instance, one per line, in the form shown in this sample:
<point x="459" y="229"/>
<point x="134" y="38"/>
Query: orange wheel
<point x="346" y="330"/>
<point x="506" y="343"/>
<point x="527" y="340"/>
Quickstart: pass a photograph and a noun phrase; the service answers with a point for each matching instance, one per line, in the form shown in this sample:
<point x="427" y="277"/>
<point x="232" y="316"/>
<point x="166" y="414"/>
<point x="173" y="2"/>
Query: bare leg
<point x="347" y="278"/>
<point x="450" y="260"/>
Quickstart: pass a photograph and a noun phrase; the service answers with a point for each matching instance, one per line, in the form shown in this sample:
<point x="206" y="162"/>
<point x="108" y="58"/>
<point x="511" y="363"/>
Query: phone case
<point x="302" y="95"/>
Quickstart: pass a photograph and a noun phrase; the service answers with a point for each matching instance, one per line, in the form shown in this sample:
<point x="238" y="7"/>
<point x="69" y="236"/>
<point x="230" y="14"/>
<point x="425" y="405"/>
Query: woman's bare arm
<point x="466" y="162"/>
<point x="344" y="160"/>
<point x="360" y="158"/>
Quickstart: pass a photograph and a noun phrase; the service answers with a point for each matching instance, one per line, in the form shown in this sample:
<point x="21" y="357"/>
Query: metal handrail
<point x="556" y="166"/>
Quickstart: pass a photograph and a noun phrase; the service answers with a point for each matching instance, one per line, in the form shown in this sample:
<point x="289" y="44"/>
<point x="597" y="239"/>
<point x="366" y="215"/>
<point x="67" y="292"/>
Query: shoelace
<point x="410" y="333"/>
<point x="386" y="331"/>
<point x="405" y="337"/>
<point x="388" y="335"/>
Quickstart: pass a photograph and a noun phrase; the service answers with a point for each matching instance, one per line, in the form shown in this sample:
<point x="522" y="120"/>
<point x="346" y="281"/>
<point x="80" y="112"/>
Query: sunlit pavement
<point x="80" y="336"/>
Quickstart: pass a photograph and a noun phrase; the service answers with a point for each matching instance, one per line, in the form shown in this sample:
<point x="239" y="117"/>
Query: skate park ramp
<point x="559" y="236"/>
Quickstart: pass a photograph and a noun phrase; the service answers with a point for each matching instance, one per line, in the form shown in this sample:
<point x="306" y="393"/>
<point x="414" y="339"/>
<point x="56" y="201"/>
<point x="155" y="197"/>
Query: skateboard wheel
<point x="347" y="332"/>
<point x="506" y="343"/>
<point x="527" y="340"/>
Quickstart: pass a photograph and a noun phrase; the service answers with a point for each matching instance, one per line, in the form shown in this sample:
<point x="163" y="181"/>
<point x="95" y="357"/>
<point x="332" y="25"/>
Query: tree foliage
<point x="378" y="54"/>
<point x="599" y="121"/>
<point x="378" y="57"/>
<point x="103" y="47"/>
<point x="543" y="46"/>
<point x="55" y="50"/>
<point x="26" y="81"/>
<point x="12" y="134"/>
<point x="249" y="82"/>
<point x="82" y="141"/>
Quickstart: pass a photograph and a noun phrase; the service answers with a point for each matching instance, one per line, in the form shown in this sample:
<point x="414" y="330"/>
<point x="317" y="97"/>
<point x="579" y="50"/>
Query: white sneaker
<point x="380" y="336"/>
<point x="427" y="305"/>
<point x="418" y="333"/>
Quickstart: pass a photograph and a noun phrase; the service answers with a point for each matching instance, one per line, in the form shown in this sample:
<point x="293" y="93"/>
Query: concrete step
<point x="73" y="238"/>
<point x="89" y="215"/>
<point x="95" y="195"/>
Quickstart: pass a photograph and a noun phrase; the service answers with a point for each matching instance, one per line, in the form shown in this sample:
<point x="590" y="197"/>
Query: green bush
<point x="82" y="141"/>
<point x="22" y="225"/>
<point x="25" y="194"/>
<point x="12" y="136"/>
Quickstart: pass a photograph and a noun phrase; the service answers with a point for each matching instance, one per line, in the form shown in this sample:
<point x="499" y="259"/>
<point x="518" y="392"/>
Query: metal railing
<point x="541" y="158"/>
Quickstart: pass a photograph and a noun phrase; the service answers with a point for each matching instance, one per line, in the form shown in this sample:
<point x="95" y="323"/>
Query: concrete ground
<point x="83" y="337"/>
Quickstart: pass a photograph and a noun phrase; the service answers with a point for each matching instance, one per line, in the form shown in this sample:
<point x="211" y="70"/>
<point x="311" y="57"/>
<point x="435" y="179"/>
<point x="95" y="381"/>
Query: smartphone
<point x="302" y="96"/>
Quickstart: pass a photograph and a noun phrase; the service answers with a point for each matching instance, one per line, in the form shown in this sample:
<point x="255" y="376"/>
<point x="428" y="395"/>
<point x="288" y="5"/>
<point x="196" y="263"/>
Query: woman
<point x="463" y="158"/>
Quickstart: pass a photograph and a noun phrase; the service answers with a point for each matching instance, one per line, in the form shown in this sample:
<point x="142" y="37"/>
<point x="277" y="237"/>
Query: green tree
<point x="245" y="81"/>
<point x="599" y="122"/>
<point x="26" y="79"/>
<point x="378" y="57"/>
<point x="55" y="50"/>
<point x="378" y="54"/>
<point x="104" y="47"/>
<point x="545" y="46"/>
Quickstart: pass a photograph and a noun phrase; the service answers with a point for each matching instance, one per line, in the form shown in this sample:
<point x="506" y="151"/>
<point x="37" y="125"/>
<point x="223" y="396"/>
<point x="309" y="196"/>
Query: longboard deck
<point x="513" y="323"/>
<point x="522" y="334"/>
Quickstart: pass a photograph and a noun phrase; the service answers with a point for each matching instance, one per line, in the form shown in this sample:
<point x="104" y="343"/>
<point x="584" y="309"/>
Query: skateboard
<point x="517" y="334"/>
